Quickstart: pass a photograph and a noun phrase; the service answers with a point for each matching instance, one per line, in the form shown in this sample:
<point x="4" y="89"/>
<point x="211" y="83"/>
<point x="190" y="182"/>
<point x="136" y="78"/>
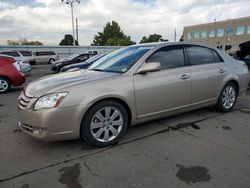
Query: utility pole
<point x="71" y="3"/>
<point x="175" y="34"/>
<point x="77" y="31"/>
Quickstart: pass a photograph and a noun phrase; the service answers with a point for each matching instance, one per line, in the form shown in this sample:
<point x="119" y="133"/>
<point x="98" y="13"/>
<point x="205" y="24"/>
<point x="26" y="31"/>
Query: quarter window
<point x="200" y="55"/>
<point x="240" y="30"/>
<point x="211" y="34"/>
<point x="169" y="57"/>
<point x="220" y="32"/>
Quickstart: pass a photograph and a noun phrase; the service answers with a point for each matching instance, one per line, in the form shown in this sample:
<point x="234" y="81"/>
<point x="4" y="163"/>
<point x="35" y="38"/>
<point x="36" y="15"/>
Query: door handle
<point x="222" y="70"/>
<point x="184" y="77"/>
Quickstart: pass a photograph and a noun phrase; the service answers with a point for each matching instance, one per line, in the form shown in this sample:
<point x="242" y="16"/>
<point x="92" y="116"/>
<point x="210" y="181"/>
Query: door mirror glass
<point x="149" y="67"/>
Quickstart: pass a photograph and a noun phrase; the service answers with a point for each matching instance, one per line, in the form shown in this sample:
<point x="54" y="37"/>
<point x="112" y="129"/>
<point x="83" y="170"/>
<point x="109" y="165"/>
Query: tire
<point x="228" y="98"/>
<point x="51" y="61"/>
<point x="102" y="130"/>
<point x="5" y="85"/>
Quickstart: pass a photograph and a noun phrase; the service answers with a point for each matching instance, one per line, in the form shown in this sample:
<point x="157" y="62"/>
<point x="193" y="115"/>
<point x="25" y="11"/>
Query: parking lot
<point x="202" y="148"/>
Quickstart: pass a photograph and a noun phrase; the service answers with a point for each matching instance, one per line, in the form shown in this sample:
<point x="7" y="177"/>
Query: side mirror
<point x="149" y="67"/>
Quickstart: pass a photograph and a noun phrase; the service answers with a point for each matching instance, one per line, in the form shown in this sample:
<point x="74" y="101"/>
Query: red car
<point x="10" y="74"/>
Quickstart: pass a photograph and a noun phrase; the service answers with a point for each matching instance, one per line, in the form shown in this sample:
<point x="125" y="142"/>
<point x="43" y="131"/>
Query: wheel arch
<point x="117" y="99"/>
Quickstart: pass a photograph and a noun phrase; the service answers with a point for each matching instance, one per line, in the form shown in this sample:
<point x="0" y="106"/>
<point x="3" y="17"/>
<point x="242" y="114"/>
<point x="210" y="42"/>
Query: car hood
<point x="59" y="61"/>
<point x="53" y="83"/>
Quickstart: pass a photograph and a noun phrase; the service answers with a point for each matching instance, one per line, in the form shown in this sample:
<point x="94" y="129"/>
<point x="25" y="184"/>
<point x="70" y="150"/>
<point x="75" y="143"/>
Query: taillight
<point x="17" y="65"/>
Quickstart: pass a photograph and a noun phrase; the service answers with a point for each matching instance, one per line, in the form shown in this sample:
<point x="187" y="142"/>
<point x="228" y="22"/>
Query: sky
<point x="49" y="20"/>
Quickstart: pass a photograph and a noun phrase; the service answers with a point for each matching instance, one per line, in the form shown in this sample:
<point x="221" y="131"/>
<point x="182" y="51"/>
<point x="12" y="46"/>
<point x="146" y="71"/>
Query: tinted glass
<point x="248" y="30"/>
<point x="45" y="53"/>
<point x="82" y="58"/>
<point x="217" y="57"/>
<point x="14" y="54"/>
<point x="120" y="60"/>
<point x="189" y="36"/>
<point x="169" y="57"/>
<point x="247" y="57"/>
<point x="200" y="55"/>
<point x="26" y="53"/>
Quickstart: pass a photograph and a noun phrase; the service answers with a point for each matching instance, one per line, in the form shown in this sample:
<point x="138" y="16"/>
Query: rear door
<point x="167" y="89"/>
<point x="207" y="70"/>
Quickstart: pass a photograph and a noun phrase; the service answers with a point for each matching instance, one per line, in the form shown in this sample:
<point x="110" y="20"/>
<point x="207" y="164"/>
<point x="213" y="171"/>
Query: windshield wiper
<point x="97" y="70"/>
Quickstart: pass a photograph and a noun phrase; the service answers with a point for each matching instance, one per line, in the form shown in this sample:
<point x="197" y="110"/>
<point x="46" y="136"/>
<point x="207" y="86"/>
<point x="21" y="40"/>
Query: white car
<point x="24" y="65"/>
<point x="46" y="57"/>
<point x="22" y="55"/>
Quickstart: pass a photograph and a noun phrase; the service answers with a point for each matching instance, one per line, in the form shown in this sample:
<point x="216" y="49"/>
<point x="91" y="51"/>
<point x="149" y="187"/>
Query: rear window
<point x="26" y="53"/>
<point x="14" y="54"/>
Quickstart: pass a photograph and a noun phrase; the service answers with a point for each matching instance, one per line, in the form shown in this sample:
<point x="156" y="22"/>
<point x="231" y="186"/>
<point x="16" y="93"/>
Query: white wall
<point x="62" y="51"/>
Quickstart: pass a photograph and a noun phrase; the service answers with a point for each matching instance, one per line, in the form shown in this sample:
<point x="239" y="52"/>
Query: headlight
<point x="49" y="101"/>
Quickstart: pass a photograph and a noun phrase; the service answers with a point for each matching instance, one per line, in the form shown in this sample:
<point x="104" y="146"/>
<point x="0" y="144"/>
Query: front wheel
<point x="104" y="123"/>
<point x="227" y="98"/>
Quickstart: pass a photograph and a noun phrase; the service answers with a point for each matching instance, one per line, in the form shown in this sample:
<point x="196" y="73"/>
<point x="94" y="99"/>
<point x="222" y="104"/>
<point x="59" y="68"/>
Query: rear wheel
<point x="4" y="85"/>
<point x="228" y="98"/>
<point x="51" y="61"/>
<point x="104" y="123"/>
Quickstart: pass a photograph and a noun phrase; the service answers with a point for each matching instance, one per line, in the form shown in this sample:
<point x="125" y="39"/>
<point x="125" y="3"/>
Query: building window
<point x="220" y="32"/>
<point x="229" y="31"/>
<point x="189" y="36"/>
<point x="211" y="34"/>
<point x="248" y="29"/>
<point x="204" y="34"/>
<point x="196" y="35"/>
<point x="240" y="30"/>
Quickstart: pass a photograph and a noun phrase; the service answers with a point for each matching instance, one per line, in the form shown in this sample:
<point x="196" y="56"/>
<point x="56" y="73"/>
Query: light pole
<point x="71" y="3"/>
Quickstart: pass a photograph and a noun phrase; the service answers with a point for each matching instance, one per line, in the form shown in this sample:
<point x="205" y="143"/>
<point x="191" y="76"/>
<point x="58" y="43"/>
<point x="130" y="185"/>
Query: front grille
<point x="23" y="101"/>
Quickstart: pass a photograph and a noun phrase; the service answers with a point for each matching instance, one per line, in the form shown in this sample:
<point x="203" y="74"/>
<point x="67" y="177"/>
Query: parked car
<point x="83" y="65"/>
<point x="10" y="74"/>
<point x="46" y="56"/>
<point x="21" y="55"/>
<point x="25" y="66"/>
<point x="75" y="58"/>
<point x="135" y="84"/>
<point x="246" y="59"/>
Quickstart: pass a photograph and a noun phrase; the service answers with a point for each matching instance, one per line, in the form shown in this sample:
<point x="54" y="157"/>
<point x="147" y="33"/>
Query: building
<point x="226" y="35"/>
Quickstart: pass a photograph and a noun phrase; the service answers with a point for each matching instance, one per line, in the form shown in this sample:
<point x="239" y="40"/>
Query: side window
<point x="169" y="57"/>
<point x="217" y="57"/>
<point x="200" y="55"/>
<point x="82" y="58"/>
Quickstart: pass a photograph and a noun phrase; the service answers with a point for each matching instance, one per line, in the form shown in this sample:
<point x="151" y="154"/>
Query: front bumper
<point x="61" y="123"/>
<point x="55" y="68"/>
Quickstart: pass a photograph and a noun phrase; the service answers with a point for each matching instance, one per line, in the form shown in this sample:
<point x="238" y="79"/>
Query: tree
<point x="23" y="42"/>
<point x="153" y="38"/>
<point x="68" y="41"/>
<point x="112" y="35"/>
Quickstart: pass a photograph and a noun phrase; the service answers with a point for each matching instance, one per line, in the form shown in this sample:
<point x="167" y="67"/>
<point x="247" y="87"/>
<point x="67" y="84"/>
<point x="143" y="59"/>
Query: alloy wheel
<point x="3" y="85"/>
<point x="106" y="124"/>
<point x="228" y="97"/>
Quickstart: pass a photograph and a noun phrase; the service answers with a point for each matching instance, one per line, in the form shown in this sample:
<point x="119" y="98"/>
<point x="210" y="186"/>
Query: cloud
<point x="49" y="20"/>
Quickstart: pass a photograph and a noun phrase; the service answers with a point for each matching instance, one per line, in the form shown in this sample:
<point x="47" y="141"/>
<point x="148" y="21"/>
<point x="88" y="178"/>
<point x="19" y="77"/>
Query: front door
<point x="165" y="90"/>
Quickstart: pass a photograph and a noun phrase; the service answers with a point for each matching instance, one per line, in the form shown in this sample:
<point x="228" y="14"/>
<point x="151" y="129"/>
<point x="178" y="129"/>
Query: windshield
<point x="72" y="57"/>
<point x="93" y="59"/>
<point x="121" y="60"/>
